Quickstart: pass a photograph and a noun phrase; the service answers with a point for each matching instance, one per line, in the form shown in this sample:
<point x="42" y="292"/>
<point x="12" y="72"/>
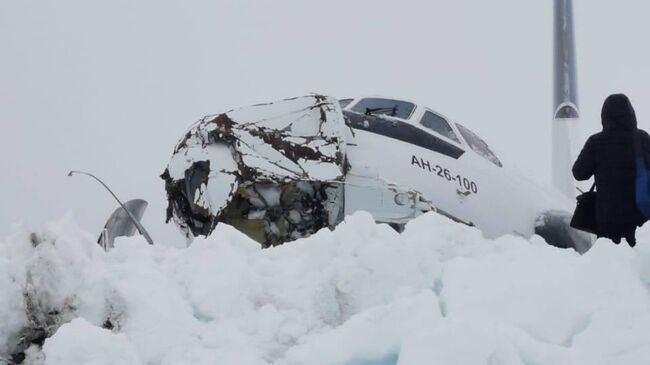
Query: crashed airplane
<point x="283" y="170"/>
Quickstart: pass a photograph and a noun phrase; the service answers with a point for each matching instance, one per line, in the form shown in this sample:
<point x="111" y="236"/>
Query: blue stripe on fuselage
<point x="402" y="131"/>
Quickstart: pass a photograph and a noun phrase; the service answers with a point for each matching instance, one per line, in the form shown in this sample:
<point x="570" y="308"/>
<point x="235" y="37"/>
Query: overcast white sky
<point x="110" y="86"/>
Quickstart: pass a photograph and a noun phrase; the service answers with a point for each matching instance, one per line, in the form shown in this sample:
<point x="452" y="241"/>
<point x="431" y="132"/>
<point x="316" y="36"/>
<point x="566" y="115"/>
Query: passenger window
<point x="379" y="106"/>
<point x="439" y="125"/>
<point x="478" y="145"/>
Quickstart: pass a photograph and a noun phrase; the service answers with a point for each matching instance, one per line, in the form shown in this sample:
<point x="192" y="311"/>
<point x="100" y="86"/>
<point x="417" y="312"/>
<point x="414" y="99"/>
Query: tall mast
<point x="565" y="98"/>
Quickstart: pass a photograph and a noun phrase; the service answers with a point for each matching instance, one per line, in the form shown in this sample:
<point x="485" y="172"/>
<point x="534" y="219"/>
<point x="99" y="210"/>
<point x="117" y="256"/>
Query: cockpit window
<point x="378" y="106"/>
<point x="344" y="102"/>
<point x="439" y="125"/>
<point x="478" y="145"/>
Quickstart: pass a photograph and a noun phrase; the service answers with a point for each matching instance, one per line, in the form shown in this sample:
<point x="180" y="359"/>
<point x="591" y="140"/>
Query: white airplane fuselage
<point x="465" y="186"/>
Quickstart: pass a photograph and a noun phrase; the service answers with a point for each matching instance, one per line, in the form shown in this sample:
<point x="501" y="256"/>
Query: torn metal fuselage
<point x="273" y="171"/>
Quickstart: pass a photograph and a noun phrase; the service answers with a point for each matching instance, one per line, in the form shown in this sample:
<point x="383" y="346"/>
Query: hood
<point x="618" y="113"/>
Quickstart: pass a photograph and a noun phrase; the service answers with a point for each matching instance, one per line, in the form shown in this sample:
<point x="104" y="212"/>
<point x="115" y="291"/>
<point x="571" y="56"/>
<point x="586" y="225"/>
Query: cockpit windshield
<point x="439" y="125"/>
<point x="478" y="145"/>
<point x="390" y="107"/>
<point x="345" y="102"/>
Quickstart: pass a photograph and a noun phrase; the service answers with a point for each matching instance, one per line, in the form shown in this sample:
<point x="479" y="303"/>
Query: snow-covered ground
<point x="439" y="293"/>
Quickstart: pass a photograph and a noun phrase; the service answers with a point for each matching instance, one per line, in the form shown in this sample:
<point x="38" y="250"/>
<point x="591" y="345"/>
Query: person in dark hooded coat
<point x="610" y="157"/>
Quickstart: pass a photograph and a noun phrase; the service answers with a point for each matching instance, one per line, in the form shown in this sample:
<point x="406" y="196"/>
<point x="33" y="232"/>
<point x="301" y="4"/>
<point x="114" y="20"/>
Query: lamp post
<point x="133" y="219"/>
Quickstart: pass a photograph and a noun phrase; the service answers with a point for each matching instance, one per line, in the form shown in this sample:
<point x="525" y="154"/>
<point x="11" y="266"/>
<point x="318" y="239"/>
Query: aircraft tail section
<point x="566" y="113"/>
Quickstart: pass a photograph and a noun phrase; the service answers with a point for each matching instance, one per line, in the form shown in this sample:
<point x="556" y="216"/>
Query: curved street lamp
<point x="133" y="219"/>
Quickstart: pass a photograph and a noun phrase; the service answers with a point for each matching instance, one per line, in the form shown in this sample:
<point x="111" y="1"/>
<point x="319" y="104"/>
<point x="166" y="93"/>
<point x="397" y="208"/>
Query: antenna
<point x="133" y="219"/>
<point x="566" y="115"/>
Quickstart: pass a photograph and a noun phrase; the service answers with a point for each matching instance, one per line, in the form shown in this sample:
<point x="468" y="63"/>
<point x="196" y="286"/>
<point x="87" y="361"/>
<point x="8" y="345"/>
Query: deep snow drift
<point x="363" y="294"/>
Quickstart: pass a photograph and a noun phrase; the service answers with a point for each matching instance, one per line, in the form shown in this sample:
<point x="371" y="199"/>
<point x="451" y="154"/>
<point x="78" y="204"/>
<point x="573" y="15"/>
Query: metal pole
<point x="133" y="219"/>
<point x="566" y="114"/>
<point x="565" y="89"/>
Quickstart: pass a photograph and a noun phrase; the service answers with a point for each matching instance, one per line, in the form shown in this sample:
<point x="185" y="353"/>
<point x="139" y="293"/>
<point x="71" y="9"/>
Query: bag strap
<point x="593" y="187"/>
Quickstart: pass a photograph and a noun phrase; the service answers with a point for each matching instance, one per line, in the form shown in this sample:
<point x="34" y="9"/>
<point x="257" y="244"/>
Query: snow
<point x="81" y="343"/>
<point x="439" y="293"/>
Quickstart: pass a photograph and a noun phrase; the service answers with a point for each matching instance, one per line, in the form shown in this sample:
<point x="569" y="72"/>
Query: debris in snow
<point x="275" y="158"/>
